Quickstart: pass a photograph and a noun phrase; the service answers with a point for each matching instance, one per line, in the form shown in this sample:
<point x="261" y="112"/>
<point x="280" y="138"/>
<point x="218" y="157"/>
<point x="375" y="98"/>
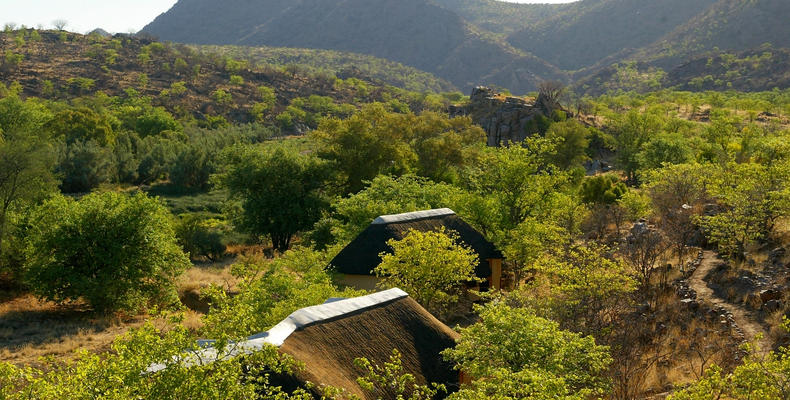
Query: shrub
<point x="199" y="239"/>
<point x="116" y="252"/>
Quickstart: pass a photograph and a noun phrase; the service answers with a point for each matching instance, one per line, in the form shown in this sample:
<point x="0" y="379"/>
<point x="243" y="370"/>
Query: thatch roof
<point x="328" y="349"/>
<point x="361" y="256"/>
<point x="328" y="337"/>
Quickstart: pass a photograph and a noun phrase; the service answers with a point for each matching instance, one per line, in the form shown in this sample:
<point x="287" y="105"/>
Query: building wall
<point x="496" y="273"/>
<point x="363" y="282"/>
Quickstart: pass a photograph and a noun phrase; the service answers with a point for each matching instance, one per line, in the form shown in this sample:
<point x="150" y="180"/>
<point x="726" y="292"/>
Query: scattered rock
<point x="692" y="304"/>
<point x="770" y="294"/>
<point x="773" y="306"/>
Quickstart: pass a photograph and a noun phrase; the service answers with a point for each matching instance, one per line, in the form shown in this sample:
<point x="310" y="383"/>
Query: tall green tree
<point x="519" y="179"/>
<point x="571" y="140"/>
<point x="371" y="142"/>
<point x="26" y="159"/>
<point x="632" y="131"/>
<point x="280" y="191"/>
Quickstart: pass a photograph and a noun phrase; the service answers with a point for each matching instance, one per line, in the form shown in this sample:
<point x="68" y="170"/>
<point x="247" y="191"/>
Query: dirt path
<point x="743" y="317"/>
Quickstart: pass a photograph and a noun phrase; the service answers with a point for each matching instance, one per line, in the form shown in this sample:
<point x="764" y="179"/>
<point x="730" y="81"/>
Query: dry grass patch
<point x="30" y="329"/>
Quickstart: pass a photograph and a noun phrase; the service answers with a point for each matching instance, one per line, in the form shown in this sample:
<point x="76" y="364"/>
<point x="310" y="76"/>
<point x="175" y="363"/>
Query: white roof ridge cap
<point x="299" y="319"/>
<point x="409" y="216"/>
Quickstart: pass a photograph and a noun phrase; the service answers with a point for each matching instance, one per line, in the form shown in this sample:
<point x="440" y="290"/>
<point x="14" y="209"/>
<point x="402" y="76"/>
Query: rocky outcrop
<point x="505" y="119"/>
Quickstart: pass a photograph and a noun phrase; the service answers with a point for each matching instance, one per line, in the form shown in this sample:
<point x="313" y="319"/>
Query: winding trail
<point x="744" y="318"/>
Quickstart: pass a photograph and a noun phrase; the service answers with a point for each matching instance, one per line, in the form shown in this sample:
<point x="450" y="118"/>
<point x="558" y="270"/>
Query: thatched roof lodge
<point x="357" y="260"/>
<point x="328" y="337"/>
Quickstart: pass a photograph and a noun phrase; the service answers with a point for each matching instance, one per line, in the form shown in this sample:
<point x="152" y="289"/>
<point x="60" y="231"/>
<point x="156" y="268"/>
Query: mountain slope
<point x="592" y="30"/>
<point x="760" y="69"/>
<point x="499" y="16"/>
<point x="728" y="25"/>
<point x="417" y="33"/>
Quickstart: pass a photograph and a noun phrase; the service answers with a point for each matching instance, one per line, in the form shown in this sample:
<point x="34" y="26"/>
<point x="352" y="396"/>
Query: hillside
<point x="727" y="25"/>
<point x="338" y="63"/>
<point x="63" y="66"/>
<point x="754" y="70"/>
<point x="501" y="17"/>
<point x="417" y="33"/>
<point x="592" y="30"/>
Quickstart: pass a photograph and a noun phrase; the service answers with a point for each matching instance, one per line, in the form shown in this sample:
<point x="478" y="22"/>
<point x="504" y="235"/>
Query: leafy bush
<point x="198" y="239"/>
<point x="119" y="374"/>
<point x="116" y="252"/>
<point x="431" y="266"/>
<point x="602" y="189"/>
<point x="511" y="353"/>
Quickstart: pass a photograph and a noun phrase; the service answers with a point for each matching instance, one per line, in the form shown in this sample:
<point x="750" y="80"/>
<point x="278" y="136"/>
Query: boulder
<point x="769" y="295"/>
<point x="773" y="306"/>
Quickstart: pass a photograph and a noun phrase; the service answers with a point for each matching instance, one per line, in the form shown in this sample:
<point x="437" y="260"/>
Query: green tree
<point x="632" y="131"/>
<point x="528" y="243"/>
<point x="26" y="159"/>
<point x="280" y="191"/>
<point x="602" y="189"/>
<point x="667" y="148"/>
<point x="752" y="198"/>
<point x="431" y="266"/>
<point x="192" y="168"/>
<point x="444" y="146"/>
<point x="117" y="252"/>
<point x="197" y="237"/>
<point x="84" y="166"/>
<point x="512" y="353"/>
<point x="518" y="179"/>
<point x="571" y="141"/>
<point x="389" y="380"/>
<point x="581" y="287"/>
<point x="759" y="377"/>
<point x="367" y="144"/>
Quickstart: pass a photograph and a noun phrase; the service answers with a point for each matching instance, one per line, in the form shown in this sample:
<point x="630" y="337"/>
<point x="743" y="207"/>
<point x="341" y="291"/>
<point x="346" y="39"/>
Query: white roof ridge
<point x="410" y="216"/>
<point x="278" y="334"/>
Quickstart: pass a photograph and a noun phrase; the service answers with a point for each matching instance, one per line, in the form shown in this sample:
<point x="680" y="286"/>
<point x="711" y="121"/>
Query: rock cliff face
<point x="505" y="119"/>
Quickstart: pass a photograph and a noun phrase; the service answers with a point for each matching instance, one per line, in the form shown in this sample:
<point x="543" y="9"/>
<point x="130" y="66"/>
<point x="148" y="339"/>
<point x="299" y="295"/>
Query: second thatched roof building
<point x="356" y="261"/>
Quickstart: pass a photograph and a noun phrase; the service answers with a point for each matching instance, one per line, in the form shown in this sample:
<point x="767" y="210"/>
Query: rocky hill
<point x="505" y="119"/>
<point x="417" y="33"/>
<point x="64" y="66"/>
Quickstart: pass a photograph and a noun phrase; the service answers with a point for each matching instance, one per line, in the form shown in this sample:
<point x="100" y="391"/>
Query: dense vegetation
<point x="592" y="308"/>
